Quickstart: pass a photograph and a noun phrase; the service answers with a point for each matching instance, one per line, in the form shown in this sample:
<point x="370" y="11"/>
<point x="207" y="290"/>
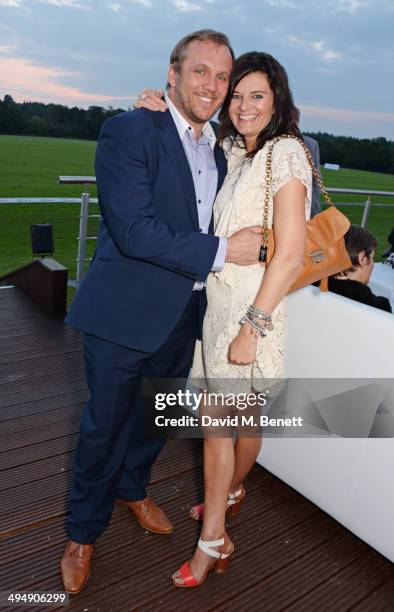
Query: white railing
<point x="40" y="200"/>
<point x="85" y="200"/>
<point x="83" y="218"/>
<point x="365" y="192"/>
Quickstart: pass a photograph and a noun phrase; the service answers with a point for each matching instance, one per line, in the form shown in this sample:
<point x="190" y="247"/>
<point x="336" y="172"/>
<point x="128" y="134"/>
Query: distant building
<point x="331" y="166"/>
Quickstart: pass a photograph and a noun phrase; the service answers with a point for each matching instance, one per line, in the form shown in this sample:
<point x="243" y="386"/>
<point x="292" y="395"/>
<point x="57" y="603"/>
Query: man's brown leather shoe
<point x="149" y="515"/>
<point x="75" y="566"/>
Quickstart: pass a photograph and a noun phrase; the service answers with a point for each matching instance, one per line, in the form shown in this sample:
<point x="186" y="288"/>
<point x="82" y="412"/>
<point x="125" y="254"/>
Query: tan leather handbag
<point x="325" y="252"/>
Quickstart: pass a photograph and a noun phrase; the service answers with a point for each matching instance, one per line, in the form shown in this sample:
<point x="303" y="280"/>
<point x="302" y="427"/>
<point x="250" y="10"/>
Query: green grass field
<point x="29" y="167"/>
<point x="359" y="179"/>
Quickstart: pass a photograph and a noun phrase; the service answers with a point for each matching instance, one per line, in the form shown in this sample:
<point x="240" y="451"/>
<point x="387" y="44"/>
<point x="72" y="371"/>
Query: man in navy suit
<point x="142" y="301"/>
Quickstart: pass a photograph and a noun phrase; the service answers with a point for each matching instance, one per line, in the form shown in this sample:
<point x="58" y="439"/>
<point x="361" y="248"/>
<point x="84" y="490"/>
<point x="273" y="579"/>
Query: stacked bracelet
<point x="254" y="325"/>
<point x="260" y="320"/>
<point x="261" y="315"/>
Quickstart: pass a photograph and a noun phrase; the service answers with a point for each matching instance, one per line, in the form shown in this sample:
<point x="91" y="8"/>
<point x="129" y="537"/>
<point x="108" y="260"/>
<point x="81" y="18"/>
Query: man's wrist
<point x="220" y="257"/>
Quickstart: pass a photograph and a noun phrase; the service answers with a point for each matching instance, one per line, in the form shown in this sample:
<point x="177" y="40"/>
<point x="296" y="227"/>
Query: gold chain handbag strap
<point x="268" y="179"/>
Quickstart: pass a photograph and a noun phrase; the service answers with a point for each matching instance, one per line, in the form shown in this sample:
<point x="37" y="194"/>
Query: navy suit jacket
<point x="150" y="250"/>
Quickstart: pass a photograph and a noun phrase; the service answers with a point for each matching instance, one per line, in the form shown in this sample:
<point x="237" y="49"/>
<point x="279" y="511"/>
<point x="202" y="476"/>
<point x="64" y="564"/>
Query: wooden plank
<point x="30" y="473"/>
<point x="51" y="428"/>
<point x="20" y="390"/>
<point x="13" y="418"/>
<point x="42" y="366"/>
<point x="38" y="353"/>
<point x="380" y="600"/>
<point x="35" y="452"/>
<point x="16" y="329"/>
<point x="43" y="390"/>
<point x="39" y="341"/>
<point x="351" y="584"/>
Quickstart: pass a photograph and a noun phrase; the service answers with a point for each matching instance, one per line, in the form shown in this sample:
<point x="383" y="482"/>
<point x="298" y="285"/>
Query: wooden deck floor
<point x="289" y="554"/>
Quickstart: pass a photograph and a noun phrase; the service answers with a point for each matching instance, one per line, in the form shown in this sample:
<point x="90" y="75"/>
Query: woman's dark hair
<point x="358" y="239"/>
<point x="284" y="117"/>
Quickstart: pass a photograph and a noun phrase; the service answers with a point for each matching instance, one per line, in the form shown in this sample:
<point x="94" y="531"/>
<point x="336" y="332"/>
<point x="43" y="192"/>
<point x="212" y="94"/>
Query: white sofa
<point x="382" y="281"/>
<point x="350" y="478"/>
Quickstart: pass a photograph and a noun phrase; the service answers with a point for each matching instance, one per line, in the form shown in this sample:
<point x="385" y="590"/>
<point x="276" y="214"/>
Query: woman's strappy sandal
<point x="234" y="502"/>
<point x="222" y="559"/>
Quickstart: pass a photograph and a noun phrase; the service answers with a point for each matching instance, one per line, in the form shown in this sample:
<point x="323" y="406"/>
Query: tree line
<point x="375" y="154"/>
<point x="38" y="119"/>
<point x="57" y="120"/>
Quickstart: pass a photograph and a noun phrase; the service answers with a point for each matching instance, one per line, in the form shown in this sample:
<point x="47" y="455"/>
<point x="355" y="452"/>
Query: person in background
<point x="353" y="283"/>
<point x="313" y="147"/>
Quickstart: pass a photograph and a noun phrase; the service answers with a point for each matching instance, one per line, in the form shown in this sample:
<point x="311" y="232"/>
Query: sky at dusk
<point x="339" y="54"/>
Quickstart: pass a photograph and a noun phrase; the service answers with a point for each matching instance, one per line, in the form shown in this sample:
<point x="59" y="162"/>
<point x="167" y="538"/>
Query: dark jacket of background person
<point x="313" y="147"/>
<point x="353" y="282"/>
<point x="359" y="292"/>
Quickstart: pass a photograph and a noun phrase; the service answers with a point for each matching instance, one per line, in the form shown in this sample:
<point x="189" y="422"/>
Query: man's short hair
<point x="179" y="52"/>
<point x="358" y="239"/>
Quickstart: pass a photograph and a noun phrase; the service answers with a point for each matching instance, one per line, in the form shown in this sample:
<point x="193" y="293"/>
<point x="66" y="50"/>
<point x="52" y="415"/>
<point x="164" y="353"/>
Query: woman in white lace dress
<point x="258" y="108"/>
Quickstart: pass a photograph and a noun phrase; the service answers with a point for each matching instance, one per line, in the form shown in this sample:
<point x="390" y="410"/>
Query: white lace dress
<point x="240" y="203"/>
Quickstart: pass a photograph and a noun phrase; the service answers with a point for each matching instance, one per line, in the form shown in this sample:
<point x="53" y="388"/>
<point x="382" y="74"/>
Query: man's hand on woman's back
<point x="243" y="247"/>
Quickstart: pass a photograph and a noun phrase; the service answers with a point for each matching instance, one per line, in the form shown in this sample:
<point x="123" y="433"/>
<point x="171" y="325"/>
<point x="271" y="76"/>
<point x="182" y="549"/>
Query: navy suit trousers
<point x="113" y="458"/>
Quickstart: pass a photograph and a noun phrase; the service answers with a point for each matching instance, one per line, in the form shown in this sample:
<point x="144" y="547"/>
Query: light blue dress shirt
<point x="201" y="158"/>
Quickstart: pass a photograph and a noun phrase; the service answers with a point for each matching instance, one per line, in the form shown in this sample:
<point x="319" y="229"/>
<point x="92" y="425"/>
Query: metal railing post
<point x="83" y="226"/>
<point x="367" y="206"/>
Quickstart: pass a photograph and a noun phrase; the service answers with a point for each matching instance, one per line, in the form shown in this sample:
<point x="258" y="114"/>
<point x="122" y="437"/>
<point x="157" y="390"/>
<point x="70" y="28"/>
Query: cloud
<point x="341" y="114"/>
<point x="145" y="3"/>
<point x="319" y="46"/>
<point x="284" y="3"/>
<point x="352" y="6"/>
<point x="39" y="83"/>
<point x="326" y="54"/>
<point x="10" y="3"/>
<point x="6" y="48"/>
<point x="67" y="3"/>
<point x="186" y="6"/>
